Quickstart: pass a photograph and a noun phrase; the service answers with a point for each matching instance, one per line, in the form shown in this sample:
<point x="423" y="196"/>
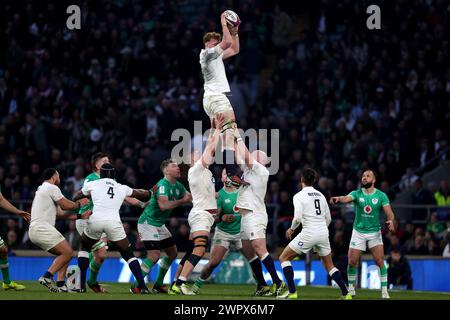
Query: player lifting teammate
<point x="201" y="217"/>
<point x="228" y="228"/>
<point x="253" y="212"/>
<point x="368" y="202"/>
<point x="312" y="211"/>
<point x="218" y="48"/>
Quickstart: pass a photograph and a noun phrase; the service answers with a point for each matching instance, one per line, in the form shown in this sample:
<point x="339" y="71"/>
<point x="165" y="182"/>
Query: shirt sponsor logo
<point x="227" y="200"/>
<point x="368" y="209"/>
<point x="374" y="201"/>
<point x="235" y="209"/>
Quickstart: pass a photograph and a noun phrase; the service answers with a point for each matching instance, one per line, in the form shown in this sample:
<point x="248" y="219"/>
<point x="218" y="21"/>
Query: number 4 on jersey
<point x="111" y="192"/>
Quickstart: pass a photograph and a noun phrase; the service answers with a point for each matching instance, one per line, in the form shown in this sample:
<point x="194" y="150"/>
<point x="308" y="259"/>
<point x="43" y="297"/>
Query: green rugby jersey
<point x="367" y="210"/>
<point x="90" y="205"/>
<point x="152" y="214"/>
<point x="227" y="203"/>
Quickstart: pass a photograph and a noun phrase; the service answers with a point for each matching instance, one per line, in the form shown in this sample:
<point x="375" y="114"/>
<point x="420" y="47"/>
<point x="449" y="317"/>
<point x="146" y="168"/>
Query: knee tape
<point x="194" y="259"/>
<point x="201" y="241"/>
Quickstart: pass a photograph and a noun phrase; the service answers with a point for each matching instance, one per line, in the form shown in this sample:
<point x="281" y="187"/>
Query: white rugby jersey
<point x="252" y="197"/>
<point x="107" y="196"/>
<point x="312" y="211"/>
<point x="43" y="208"/>
<point x="201" y="183"/>
<point x="213" y="71"/>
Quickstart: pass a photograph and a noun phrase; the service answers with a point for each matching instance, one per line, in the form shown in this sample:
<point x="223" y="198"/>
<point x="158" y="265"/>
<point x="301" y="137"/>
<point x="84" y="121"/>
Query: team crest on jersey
<point x="177" y="192"/>
<point x="361" y="199"/>
<point x="227" y="200"/>
<point x="368" y="209"/>
<point x="374" y="201"/>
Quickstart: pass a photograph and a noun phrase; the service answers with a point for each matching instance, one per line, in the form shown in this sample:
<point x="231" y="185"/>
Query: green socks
<point x="94" y="267"/>
<point x="5" y="270"/>
<point x="383" y="276"/>
<point x="164" y="265"/>
<point x="351" y="275"/>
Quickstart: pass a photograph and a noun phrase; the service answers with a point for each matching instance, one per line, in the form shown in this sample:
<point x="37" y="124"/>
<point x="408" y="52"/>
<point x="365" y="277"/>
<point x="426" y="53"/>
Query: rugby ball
<point x="232" y="18"/>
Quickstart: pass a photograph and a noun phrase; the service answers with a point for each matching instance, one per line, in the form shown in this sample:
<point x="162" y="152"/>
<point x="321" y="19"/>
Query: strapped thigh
<point x="201" y="241"/>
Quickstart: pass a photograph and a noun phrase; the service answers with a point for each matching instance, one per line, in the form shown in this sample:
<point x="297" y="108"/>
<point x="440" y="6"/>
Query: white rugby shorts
<point x="44" y="235"/>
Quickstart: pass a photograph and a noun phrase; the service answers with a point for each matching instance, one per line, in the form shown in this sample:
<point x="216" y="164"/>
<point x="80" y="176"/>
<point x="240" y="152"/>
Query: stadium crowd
<point x="344" y="98"/>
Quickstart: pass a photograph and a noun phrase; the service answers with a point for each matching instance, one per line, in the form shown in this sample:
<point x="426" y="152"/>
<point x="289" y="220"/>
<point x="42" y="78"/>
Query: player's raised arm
<point x="211" y="144"/>
<point x="5" y="204"/>
<point x="341" y="199"/>
<point x="242" y="154"/>
<point x="227" y="40"/>
<point x="235" y="46"/>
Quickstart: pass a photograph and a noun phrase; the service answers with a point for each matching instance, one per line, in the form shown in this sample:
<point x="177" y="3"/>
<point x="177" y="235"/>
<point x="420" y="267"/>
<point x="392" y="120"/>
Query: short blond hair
<point x="212" y="35"/>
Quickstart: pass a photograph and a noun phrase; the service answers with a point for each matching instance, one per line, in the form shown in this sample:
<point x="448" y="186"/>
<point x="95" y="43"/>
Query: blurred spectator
<point x="419" y="247"/>
<point x="72" y="236"/>
<point x="435" y="226"/>
<point x="12" y="240"/>
<point x="442" y="197"/>
<point x="421" y="196"/>
<point x="77" y="178"/>
<point x="399" y="271"/>
<point x="409" y="178"/>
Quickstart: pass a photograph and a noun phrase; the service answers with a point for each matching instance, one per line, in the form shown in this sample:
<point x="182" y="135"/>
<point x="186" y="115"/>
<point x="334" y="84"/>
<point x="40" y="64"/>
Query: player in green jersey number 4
<point x="368" y="202"/>
<point x="168" y="194"/>
<point x="7" y="283"/>
<point x="228" y="230"/>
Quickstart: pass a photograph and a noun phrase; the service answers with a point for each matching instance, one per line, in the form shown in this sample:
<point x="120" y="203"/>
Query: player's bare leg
<point x="353" y="259"/>
<point x="217" y="254"/>
<point x="64" y="253"/>
<point x="378" y="257"/>
<point x="249" y="253"/>
<point x="336" y="275"/>
<point x="228" y="147"/>
<point x="200" y="239"/>
<point x="61" y="279"/>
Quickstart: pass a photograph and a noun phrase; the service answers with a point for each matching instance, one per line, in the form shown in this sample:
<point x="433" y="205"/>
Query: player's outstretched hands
<point x="334" y="200"/>
<point x="289" y="233"/>
<point x="390" y="225"/>
<point x="25" y="215"/>
<point x="233" y="29"/>
<point x="227" y="218"/>
<point x="222" y="19"/>
<point x="86" y="214"/>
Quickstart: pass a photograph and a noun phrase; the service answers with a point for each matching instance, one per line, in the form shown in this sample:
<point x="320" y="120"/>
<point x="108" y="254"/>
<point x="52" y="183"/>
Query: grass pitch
<point x="120" y="291"/>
